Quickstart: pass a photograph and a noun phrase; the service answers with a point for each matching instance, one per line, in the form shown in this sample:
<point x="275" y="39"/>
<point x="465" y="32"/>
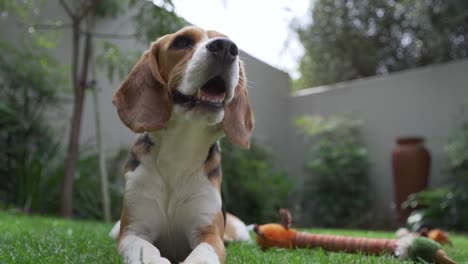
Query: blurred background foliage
<point x="29" y="145"/>
<point x="87" y="194"/>
<point x="345" y="40"/>
<point x="446" y="207"/>
<point x="252" y="188"/>
<point x="32" y="161"/>
<point x="31" y="164"/>
<point x="32" y="149"/>
<point x="337" y="168"/>
<point x="351" y="39"/>
<point x="152" y="21"/>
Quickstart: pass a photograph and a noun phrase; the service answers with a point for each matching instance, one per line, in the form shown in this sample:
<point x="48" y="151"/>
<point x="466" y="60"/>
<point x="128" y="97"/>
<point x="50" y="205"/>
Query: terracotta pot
<point x="411" y="163"/>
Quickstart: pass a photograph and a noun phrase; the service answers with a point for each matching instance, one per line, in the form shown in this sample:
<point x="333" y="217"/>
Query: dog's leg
<point x="204" y="253"/>
<point x="115" y="232"/>
<point x="136" y="250"/>
<point x="210" y="249"/>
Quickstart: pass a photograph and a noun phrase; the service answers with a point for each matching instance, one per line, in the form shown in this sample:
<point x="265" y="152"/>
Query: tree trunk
<point x="66" y="202"/>
<point x="79" y="85"/>
<point x="106" y="204"/>
<point x="102" y="161"/>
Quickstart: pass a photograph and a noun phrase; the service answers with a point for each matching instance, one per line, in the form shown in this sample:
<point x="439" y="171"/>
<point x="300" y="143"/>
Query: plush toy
<point x="438" y="235"/>
<point x="409" y="247"/>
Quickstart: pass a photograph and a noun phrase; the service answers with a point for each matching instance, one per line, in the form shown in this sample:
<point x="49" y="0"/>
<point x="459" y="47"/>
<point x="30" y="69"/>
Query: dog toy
<point x="412" y="247"/>
<point x="438" y="235"/>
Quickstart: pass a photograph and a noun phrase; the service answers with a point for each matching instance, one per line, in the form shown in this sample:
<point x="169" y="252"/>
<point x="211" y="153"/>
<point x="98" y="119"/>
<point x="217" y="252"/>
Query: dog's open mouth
<point x="212" y="94"/>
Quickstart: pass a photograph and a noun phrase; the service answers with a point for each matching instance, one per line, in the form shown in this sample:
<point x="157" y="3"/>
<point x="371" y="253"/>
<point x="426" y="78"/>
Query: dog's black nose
<point x="223" y="49"/>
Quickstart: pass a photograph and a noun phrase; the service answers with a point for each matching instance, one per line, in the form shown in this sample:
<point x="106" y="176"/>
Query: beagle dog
<point x="187" y="90"/>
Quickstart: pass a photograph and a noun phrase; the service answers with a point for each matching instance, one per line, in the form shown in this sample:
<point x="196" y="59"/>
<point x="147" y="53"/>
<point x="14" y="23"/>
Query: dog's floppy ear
<point x="238" y="120"/>
<point x="142" y="101"/>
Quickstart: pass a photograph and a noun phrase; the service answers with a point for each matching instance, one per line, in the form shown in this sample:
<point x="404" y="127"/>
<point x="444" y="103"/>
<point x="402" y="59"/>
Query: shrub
<point x="446" y="207"/>
<point x="29" y="88"/>
<point x="456" y="158"/>
<point x="31" y="159"/>
<point x="442" y="208"/>
<point x="336" y="191"/>
<point x="87" y="191"/>
<point x="251" y="188"/>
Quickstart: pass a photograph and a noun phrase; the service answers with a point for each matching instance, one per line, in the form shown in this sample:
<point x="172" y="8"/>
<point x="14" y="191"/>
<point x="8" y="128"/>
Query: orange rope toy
<point x="408" y="247"/>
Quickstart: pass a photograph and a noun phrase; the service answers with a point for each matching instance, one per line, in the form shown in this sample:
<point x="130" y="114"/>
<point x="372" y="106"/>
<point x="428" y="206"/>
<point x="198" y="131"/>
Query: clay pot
<point x="411" y="164"/>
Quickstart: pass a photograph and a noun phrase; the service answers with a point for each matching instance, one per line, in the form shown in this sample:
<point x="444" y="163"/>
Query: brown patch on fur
<point x="238" y="118"/>
<point x="177" y="74"/>
<point x="212" y="166"/>
<point x="172" y="62"/>
<point x="123" y="221"/>
<point x="142" y="101"/>
<point x="142" y="146"/>
<point x="215" y="34"/>
<point x="213" y="235"/>
<point x="132" y="162"/>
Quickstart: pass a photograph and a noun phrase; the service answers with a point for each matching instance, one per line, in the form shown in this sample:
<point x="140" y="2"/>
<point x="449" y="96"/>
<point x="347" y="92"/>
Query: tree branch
<point x="67" y="9"/>
<point x="86" y="10"/>
<point x="85" y="66"/>
<point x="46" y="26"/>
<point x="109" y="35"/>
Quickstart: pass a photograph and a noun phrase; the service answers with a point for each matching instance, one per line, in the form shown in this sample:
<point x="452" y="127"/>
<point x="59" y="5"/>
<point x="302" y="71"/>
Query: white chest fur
<point x="170" y="215"/>
<point x="169" y="197"/>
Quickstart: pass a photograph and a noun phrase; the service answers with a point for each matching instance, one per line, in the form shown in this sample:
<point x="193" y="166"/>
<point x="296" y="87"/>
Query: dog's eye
<point x="182" y="42"/>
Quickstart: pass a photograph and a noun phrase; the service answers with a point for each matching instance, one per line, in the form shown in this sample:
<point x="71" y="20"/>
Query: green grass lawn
<point x="33" y="239"/>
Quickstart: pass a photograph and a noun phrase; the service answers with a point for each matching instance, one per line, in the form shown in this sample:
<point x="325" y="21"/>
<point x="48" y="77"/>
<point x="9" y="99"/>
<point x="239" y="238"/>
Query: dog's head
<point x="195" y="73"/>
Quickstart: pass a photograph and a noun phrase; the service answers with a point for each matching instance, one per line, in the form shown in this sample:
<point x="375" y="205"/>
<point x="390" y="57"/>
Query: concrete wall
<point x="425" y="101"/>
<point x="269" y="96"/>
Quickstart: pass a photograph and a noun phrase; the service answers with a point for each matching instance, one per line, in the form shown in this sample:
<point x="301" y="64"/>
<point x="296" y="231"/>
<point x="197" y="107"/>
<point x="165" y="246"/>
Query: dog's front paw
<point x="201" y="260"/>
<point x="202" y="254"/>
<point x="156" y="261"/>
